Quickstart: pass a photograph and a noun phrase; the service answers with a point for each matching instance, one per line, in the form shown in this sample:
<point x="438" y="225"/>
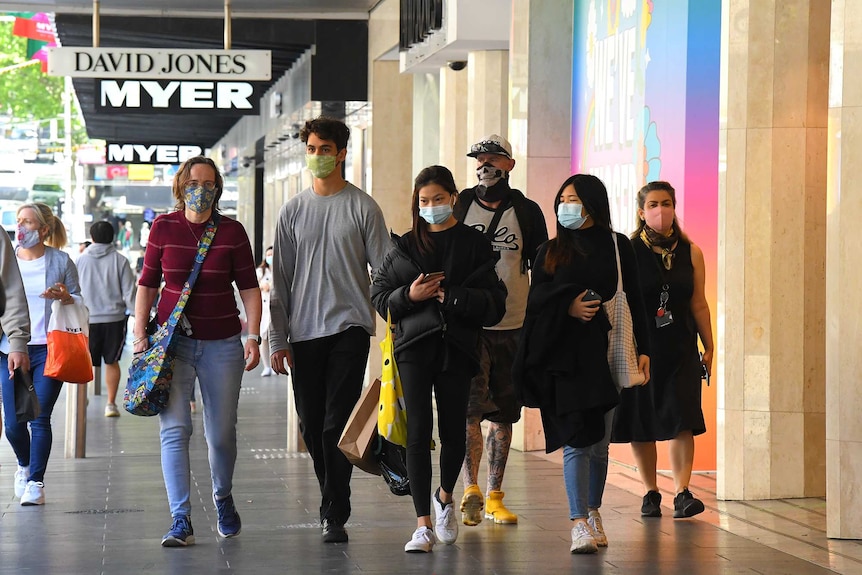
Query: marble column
<point x="539" y="127"/>
<point x="389" y="135"/>
<point x="453" y="126"/>
<point x="772" y="241"/>
<point x="487" y="98"/>
<point x="843" y="306"/>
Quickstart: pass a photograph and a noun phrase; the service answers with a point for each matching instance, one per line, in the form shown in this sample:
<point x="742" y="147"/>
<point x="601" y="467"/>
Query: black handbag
<point x="392" y="460"/>
<point x="26" y="402"/>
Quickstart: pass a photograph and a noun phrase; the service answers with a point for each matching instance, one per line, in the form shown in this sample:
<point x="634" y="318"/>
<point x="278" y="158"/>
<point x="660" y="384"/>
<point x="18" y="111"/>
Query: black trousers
<point x="327" y="381"/>
<point x="448" y="375"/>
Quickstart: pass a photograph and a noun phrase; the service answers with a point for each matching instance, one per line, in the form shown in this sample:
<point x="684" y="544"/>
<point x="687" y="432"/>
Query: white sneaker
<point x="582" y="538"/>
<point x="111" y="410"/>
<point x="21" y="480"/>
<point x="422" y="542"/>
<point x="267" y="371"/>
<point x="34" y="494"/>
<point x="595" y="523"/>
<point x="446" y="526"/>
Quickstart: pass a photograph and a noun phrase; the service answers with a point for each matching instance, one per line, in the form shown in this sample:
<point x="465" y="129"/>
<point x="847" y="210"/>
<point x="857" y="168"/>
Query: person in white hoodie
<point x="108" y="286"/>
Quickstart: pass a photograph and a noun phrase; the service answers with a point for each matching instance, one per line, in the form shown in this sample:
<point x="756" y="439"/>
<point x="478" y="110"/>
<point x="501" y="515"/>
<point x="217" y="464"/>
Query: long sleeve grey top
<point x="320" y="279"/>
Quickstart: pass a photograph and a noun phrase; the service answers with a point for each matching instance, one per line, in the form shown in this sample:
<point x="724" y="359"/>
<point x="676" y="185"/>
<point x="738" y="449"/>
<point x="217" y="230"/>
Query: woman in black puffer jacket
<point x="436" y="319"/>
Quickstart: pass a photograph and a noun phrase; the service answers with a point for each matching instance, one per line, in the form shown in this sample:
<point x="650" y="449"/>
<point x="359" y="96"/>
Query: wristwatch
<point x="255" y="338"/>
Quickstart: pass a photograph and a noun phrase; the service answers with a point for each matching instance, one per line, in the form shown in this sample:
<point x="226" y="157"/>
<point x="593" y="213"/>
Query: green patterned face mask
<point x="320" y="166"/>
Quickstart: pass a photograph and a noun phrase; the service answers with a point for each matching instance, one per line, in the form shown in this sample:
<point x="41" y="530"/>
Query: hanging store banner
<point x="136" y="96"/>
<point x="118" y="153"/>
<point x="166" y="64"/>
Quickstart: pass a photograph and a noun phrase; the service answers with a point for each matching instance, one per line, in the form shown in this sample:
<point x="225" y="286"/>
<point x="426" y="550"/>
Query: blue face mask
<point x="199" y="199"/>
<point x="436" y="214"/>
<point x="268" y="260"/>
<point x="570" y="216"/>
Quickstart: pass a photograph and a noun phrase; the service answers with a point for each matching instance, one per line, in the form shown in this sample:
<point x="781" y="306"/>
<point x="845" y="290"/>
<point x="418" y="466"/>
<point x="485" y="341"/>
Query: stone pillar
<point x="389" y="136"/>
<point x="772" y="235"/>
<point x="487" y="98"/>
<point x="540" y="87"/>
<point x="427" y="106"/>
<point x="453" y="126"/>
<point x="843" y="306"/>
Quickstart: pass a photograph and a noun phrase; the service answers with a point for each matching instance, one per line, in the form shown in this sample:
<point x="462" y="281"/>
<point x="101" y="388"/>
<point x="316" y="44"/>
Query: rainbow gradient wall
<point x="645" y="107"/>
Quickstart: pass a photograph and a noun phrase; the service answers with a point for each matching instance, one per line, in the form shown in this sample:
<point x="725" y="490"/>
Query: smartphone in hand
<point x="592" y="296"/>
<point x="432" y="276"/>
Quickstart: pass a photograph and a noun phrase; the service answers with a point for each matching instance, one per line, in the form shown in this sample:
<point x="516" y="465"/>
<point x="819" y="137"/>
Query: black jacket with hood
<point x="475" y="296"/>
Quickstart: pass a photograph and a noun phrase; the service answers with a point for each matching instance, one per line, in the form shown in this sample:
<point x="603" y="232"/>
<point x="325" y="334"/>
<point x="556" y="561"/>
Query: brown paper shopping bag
<point x="361" y="430"/>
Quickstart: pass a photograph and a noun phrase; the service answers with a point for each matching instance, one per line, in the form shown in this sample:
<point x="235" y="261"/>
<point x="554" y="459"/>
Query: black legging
<point x="419" y="374"/>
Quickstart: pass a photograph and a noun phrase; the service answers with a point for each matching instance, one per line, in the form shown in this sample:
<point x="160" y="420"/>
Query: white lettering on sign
<point x="176" y="94"/>
<point x="150" y="154"/>
<point x="146" y="63"/>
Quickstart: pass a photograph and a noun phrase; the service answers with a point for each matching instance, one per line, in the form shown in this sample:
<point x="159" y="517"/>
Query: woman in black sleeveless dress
<point x="668" y="408"/>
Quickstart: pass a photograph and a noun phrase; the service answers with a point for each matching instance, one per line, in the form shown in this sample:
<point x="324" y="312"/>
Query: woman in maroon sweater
<point x="208" y="346"/>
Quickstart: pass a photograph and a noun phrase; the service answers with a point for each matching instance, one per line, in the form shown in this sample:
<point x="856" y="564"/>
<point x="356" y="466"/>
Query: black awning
<point x="339" y="66"/>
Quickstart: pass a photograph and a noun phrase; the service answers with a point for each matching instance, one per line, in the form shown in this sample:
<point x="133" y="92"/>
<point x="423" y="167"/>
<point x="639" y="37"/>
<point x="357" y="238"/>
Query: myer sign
<point x="150" y="153"/>
<point x="166" y="64"/>
<point x="175" y="96"/>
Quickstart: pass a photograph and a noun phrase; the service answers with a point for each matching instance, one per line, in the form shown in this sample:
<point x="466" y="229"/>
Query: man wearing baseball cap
<point x="516" y="228"/>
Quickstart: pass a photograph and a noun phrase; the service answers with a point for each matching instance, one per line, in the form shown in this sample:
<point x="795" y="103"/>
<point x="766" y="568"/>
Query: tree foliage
<point x="26" y="93"/>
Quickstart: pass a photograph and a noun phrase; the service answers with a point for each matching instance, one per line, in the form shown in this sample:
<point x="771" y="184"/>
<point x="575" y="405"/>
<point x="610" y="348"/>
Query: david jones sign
<point x="167" y="64"/>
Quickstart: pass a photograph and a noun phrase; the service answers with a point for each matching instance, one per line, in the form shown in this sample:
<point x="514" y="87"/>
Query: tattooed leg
<point x="473" y="456"/>
<point x="498" y="443"/>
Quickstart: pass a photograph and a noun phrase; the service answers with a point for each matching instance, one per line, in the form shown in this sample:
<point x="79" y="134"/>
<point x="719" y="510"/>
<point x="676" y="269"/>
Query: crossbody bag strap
<point x="203" y="248"/>
<point x="619" y="269"/>
<point x="495" y="220"/>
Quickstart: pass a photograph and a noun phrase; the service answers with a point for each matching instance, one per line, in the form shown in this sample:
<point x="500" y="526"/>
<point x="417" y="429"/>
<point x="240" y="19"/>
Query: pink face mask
<point x="659" y="218"/>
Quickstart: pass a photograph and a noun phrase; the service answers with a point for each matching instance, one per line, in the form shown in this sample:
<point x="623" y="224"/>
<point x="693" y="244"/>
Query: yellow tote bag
<point x="392" y="415"/>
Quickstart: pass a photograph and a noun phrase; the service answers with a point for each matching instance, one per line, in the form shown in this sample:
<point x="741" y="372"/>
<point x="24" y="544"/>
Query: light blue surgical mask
<point x="571" y="216"/>
<point x="199" y="199"/>
<point x="436" y="214"/>
<point x="268" y="260"/>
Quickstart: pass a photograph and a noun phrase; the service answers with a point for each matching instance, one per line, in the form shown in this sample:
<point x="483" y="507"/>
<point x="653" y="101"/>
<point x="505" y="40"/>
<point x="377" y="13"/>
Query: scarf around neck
<point x="666" y="242"/>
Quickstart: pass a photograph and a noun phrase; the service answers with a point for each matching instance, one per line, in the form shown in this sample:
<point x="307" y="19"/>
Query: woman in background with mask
<point x="668" y="409"/>
<point x="48" y="274"/>
<point x="439" y="285"/>
<point x="561" y="366"/>
<point x="208" y="346"/>
<point x="264" y="280"/>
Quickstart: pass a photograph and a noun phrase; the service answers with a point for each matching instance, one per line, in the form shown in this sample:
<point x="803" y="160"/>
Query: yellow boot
<point x="494" y="509"/>
<point x="471" y="505"/>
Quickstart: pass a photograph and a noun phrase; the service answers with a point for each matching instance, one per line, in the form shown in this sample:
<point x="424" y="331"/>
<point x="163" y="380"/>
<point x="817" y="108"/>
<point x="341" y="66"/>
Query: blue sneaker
<point x="229" y="524"/>
<point x="181" y="534"/>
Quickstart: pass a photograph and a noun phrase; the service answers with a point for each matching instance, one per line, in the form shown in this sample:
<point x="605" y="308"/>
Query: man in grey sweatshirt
<point x="108" y="287"/>
<point x="322" y="319"/>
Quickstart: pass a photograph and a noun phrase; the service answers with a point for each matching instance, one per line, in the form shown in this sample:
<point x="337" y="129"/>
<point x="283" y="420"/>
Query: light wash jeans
<point x="32" y="447"/>
<point x="585" y="470"/>
<point x="218" y="366"/>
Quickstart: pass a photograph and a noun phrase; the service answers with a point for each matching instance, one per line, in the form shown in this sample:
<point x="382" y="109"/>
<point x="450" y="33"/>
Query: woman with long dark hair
<point x="562" y="365"/>
<point x="439" y="286"/>
<point x="668" y="409"/>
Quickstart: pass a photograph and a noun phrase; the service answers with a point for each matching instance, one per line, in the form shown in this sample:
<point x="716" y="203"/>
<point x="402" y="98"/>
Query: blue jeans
<point x="585" y="470"/>
<point x="32" y="447"/>
<point x="218" y="366"/>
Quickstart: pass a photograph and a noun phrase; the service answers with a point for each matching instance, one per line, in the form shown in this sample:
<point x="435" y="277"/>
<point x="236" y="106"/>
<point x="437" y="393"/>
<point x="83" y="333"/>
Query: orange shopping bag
<point x="68" y="343"/>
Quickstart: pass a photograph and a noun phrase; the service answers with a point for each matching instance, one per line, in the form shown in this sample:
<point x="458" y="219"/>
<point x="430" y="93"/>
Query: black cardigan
<point x="561" y="365"/>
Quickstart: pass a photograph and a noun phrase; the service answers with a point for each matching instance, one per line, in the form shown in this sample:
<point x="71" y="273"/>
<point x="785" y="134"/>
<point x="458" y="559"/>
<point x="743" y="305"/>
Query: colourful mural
<point x="645" y="105"/>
